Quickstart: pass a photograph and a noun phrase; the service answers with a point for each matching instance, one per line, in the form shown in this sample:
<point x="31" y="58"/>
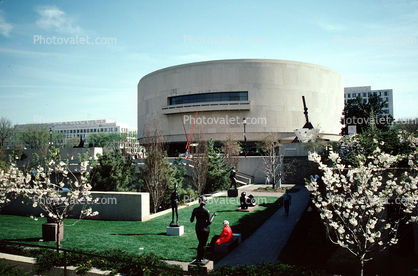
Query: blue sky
<point x="371" y="43"/>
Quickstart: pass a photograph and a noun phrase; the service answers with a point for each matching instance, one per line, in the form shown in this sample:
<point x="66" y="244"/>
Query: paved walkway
<point x="267" y="242"/>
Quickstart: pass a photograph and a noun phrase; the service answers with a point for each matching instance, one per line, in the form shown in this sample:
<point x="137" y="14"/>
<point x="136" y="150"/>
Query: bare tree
<point x="272" y="160"/>
<point x="7" y="130"/>
<point x="156" y="175"/>
<point x="231" y="148"/>
<point x="198" y="160"/>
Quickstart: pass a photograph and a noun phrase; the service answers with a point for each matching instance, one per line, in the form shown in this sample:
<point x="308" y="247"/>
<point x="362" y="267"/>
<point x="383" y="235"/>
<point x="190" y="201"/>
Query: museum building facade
<point x="214" y="97"/>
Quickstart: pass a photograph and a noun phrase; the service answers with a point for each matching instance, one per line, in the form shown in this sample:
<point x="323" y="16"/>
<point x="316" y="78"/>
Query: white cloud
<point x="5" y="27"/>
<point x="52" y="18"/>
<point x="331" y="27"/>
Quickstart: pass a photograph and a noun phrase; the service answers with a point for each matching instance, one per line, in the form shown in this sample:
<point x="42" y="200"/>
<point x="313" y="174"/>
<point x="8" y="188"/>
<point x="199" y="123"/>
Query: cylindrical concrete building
<point x="268" y="93"/>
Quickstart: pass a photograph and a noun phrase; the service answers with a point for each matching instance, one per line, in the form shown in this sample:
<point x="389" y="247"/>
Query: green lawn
<point x="129" y="236"/>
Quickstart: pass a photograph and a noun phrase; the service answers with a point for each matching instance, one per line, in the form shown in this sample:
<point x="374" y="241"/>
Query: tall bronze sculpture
<point x="203" y="220"/>
<point x="175" y="198"/>
<point x="232" y="175"/>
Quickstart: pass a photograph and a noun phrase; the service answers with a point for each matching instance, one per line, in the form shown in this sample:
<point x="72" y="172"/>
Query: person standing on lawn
<point x="287" y="201"/>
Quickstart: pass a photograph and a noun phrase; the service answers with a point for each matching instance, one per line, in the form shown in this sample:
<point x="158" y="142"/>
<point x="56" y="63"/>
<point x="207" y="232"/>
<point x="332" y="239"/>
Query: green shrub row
<point x="49" y="258"/>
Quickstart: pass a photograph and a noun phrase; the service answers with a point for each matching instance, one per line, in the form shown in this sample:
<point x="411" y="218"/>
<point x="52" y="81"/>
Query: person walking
<point x="287" y="201"/>
<point x="267" y="178"/>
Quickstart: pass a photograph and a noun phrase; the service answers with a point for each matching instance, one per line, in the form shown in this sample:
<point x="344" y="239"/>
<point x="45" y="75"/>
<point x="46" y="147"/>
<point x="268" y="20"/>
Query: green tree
<point x="365" y="114"/>
<point x="107" y="141"/>
<point x="35" y="136"/>
<point x="217" y="175"/>
<point x="3" y="163"/>
<point x="410" y="125"/>
<point x="179" y="178"/>
<point x="392" y="142"/>
<point x="114" y="172"/>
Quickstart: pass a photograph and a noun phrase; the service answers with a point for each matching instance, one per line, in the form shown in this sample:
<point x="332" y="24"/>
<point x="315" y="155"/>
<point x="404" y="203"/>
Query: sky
<point x="82" y="60"/>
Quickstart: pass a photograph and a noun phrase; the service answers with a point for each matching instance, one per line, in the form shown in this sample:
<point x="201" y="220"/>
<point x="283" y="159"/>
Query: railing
<point x="103" y="257"/>
<point x="245" y="175"/>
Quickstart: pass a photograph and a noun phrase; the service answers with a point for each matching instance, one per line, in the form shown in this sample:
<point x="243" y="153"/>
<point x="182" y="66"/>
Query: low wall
<point x="124" y="206"/>
<point x="70" y="154"/>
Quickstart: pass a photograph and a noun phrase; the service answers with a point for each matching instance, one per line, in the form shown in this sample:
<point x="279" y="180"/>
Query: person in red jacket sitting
<point x="226" y="234"/>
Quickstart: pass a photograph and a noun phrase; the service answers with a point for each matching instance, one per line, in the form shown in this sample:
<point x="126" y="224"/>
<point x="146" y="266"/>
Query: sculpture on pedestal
<point x="175" y="198"/>
<point x="243" y="201"/>
<point x="247" y="201"/>
<point x="232" y="175"/>
<point x="203" y="220"/>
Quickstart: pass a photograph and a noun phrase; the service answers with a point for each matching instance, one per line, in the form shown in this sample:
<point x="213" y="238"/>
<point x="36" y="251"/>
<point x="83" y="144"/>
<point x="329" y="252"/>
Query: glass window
<point x="243" y="96"/>
<point x="225" y="97"/>
<point x="209" y="97"/>
<point x="198" y="98"/>
<point x="216" y="97"/>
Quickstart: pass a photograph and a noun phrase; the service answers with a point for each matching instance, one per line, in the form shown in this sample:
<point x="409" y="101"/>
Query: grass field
<point x="130" y="236"/>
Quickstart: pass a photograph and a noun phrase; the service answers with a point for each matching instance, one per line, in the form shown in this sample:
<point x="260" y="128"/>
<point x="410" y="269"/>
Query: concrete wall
<point x="275" y="89"/>
<point x="70" y="154"/>
<point x="295" y="164"/>
<point x="124" y="206"/>
<point x="293" y="149"/>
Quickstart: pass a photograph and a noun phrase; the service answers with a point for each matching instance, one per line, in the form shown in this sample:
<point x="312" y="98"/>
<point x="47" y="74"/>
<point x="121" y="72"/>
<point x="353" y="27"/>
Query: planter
<point x="49" y="231"/>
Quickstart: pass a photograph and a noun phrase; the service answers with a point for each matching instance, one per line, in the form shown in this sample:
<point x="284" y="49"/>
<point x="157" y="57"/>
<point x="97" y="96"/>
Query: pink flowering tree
<point x="352" y="200"/>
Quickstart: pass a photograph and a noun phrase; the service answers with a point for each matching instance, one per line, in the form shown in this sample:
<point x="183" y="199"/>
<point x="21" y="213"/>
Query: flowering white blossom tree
<point x="12" y="184"/>
<point x="38" y="188"/>
<point x="352" y="200"/>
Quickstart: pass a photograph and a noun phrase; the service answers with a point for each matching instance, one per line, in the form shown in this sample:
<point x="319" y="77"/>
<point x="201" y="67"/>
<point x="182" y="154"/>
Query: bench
<point x="227" y="247"/>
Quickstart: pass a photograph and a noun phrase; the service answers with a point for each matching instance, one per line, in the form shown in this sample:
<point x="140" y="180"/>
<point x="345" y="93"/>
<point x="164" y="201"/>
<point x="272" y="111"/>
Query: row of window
<point x="364" y="94"/>
<point x="69" y="136"/>
<point x="88" y="130"/>
<point x="209" y="97"/>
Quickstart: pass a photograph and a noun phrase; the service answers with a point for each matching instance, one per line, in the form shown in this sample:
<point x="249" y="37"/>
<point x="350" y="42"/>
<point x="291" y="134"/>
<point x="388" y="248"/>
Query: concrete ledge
<point x="28" y="265"/>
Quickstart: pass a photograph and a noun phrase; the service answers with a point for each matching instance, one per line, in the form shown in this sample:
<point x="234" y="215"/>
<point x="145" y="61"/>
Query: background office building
<point x="268" y="93"/>
<point x="365" y="91"/>
<point x="73" y="131"/>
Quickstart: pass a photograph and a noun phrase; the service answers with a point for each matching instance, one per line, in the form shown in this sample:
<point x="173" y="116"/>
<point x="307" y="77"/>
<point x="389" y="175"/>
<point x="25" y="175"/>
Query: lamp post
<point x="50" y="137"/>
<point x="244" y="122"/>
